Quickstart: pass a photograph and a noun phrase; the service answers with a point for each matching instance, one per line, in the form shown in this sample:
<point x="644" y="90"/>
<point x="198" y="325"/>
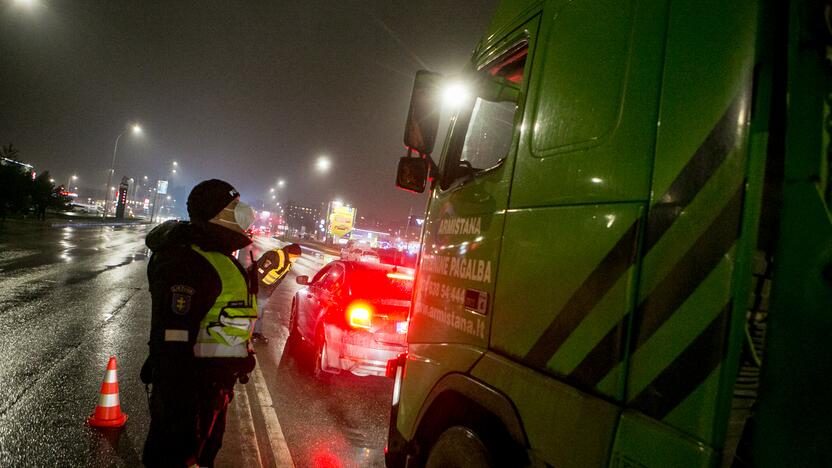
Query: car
<point x="86" y="208"/>
<point x="350" y="246"/>
<point x="393" y="256"/>
<point x="353" y="316"/>
<point x="365" y="255"/>
<point x="359" y="252"/>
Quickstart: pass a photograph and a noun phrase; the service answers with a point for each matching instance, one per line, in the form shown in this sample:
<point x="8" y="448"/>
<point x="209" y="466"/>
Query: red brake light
<point x="359" y="315"/>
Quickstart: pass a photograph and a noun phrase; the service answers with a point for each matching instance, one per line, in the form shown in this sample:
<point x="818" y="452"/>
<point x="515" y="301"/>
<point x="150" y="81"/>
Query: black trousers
<point x="187" y="422"/>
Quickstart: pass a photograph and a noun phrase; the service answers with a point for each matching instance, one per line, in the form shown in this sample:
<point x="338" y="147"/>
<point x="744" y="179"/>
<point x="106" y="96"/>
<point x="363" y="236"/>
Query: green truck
<point x="627" y="251"/>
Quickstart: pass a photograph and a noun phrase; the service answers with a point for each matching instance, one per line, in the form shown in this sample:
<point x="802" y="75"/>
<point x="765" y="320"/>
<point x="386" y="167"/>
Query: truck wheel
<point x="459" y="447"/>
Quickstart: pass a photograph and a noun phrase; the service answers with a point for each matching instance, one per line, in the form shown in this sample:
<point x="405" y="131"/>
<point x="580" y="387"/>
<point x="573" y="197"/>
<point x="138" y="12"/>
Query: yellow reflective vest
<point x="271" y="272"/>
<point x="226" y="328"/>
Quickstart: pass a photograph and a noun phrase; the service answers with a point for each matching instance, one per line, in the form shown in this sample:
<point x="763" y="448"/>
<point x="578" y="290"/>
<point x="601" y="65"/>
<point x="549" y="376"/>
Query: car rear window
<point x="375" y="284"/>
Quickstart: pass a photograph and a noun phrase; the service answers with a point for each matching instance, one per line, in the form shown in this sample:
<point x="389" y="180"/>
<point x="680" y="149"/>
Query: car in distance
<point x="393" y="256"/>
<point x="359" y="252"/>
<point x="350" y="247"/>
<point x="86" y="208"/>
<point x="354" y="316"/>
<point x="365" y="255"/>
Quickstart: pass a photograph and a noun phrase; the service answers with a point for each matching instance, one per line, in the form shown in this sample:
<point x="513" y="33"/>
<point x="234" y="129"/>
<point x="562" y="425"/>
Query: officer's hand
<point x="247" y="364"/>
<point x="245" y="367"/>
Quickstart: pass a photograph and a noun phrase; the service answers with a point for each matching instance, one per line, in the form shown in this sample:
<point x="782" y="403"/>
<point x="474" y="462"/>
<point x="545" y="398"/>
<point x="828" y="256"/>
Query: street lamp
<point x="72" y="178"/>
<point x="136" y="129"/>
<point x="281" y="183"/>
<point x="323" y="164"/>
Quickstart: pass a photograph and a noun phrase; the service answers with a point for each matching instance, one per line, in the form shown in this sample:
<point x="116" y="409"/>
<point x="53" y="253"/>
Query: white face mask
<point x="244" y="215"/>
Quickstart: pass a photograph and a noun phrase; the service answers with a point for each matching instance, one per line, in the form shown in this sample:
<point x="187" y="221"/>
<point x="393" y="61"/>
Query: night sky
<point x="249" y="92"/>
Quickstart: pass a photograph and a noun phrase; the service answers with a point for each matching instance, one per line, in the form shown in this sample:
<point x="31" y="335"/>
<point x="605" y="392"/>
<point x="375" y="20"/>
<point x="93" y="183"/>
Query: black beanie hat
<point x="208" y="198"/>
<point x="293" y="249"/>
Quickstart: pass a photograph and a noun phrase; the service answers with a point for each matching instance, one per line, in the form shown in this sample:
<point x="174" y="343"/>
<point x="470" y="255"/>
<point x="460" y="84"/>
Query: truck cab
<point x="627" y="248"/>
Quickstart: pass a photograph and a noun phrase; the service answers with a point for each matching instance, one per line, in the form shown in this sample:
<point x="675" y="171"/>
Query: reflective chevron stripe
<point x="663" y="214"/>
<point x="677" y="286"/>
<point x="687" y="371"/>
<point x="601" y="280"/>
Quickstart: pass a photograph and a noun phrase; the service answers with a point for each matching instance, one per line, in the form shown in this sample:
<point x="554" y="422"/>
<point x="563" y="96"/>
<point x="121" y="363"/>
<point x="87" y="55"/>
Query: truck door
<point x="464" y="223"/>
<point x="568" y="270"/>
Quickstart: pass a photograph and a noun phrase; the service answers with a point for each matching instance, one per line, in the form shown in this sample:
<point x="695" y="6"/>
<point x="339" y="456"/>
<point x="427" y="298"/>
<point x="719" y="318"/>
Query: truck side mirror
<point x="412" y="174"/>
<point x="423" y="116"/>
<point x="302" y="279"/>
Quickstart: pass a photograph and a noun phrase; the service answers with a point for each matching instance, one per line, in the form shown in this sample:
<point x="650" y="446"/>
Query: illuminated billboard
<point x="341" y="219"/>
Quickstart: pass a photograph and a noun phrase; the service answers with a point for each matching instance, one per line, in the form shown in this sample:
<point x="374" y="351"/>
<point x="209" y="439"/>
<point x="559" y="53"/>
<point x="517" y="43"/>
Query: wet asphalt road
<point x="71" y="297"/>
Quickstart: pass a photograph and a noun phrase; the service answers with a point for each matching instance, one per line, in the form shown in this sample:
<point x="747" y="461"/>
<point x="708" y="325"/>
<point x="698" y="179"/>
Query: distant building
<point x="364" y="222"/>
<point x="301" y="219"/>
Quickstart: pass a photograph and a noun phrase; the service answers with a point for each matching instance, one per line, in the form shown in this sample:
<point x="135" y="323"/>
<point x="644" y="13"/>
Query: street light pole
<point x="110" y="177"/>
<point x="155" y="201"/>
<point x="136" y="129"/>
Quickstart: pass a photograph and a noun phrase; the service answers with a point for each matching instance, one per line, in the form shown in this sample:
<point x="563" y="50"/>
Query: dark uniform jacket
<point x="189" y="395"/>
<point x="183" y="287"/>
<point x="272" y="267"/>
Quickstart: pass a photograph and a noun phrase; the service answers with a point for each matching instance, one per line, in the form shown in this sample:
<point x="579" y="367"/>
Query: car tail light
<point x="359" y="316"/>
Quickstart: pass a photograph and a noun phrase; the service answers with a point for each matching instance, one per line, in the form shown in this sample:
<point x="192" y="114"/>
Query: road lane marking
<point x="275" y="436"/>
<point x="248" y="440"/>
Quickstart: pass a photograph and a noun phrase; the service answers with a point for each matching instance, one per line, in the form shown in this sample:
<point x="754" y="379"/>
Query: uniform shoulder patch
<point x="181" y="295"/>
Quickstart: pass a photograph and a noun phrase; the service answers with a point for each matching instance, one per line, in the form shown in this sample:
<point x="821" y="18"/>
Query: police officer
<point x="204" y="307"/>
<point x="271" y="269"/>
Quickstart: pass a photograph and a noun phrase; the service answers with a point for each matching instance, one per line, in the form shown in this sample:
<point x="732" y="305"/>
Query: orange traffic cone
<point x="108" y="411"/>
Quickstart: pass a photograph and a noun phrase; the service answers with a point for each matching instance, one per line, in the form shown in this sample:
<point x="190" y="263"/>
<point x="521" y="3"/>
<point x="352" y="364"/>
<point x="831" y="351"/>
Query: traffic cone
<point x="108" y="411"/>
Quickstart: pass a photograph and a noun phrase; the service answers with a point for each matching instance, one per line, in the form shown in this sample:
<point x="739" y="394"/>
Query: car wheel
<point x="459" y="447"/>
<point x="294" y="333"/>
<point x="294" y="343"/>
